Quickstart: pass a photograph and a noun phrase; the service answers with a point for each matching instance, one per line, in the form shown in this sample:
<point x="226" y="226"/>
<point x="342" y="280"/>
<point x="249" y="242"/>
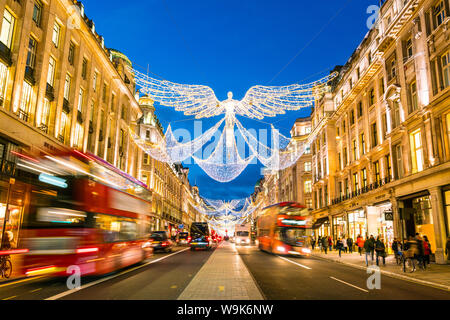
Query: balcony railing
<point x="50" y="92"/>
<point x="44" y="127"/>
<point x="363" y="190"/>
<point x="66" y="106"/>
<point x="29" y="75"/>
<point x="23" y="115"/>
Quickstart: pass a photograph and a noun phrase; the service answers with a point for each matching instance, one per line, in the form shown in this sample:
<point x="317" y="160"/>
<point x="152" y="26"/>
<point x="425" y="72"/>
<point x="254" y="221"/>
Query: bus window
<point x="128" y="230"/>
<point x="110" y="226"/>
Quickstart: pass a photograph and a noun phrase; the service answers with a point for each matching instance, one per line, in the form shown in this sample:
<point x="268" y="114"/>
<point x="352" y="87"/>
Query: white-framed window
<point x="37" y="13"/>
<point x="80" y="100"/>
<point x="4" y="73"/>
<point x="445" y="61"/>
<point x="31" y="56"/>
<point x="94" y="82"/>
<point x="6" y="36"/>
<point x="308" y="166"/>
<point x="439" y="13"/>
<point x="64" y="123"/>
<point x="308" y="186"/>
<point x="308" y="150"/>
<point x="78" y="137"/>
<point x="416" y="151"/>
<point x="51" y="71"/>
<point x="27" y="97"/>
<point x="45" y="112"/>
<point x="413" y="92"/>
<point x="409" y="48"/>
<point x="56" y="34"/>
<point x="67" y="84"/>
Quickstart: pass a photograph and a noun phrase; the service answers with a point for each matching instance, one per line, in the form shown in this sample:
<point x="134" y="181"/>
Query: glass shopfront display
<point x="340" y="227"/>
<point x="382" y="221"/>
<point x="446" y="198"/>
<point x="357" y="224"/>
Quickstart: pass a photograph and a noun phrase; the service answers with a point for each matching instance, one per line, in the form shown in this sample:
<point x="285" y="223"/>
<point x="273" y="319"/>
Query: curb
<point x="390" y="274"/>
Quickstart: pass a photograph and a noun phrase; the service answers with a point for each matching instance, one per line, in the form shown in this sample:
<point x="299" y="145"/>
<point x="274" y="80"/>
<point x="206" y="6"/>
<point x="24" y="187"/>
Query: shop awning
<point x="319" y="222"/>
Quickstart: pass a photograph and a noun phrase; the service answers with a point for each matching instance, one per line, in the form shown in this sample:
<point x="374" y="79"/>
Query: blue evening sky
<point x="231" y="45"/>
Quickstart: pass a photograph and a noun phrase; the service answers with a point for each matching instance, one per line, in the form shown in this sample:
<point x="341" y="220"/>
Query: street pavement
<point x="227" y="272"/>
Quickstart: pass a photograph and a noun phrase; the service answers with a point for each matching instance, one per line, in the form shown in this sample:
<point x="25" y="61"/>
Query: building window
<point x="413" y="96"/>
<point x="31" y="56"/>
<point x="384" y="124"/>
<point x="308" y="203"/>
<point x="445" y="60"/>
<point x="113" y="102"/>
<point x="67" y="87"/>
<point x="340" y="161"/>
<point x="382" y="86"/>
<point x="308" y="150"/>
<point x="362" y="140"/>
<point x="7" y="29"/>
<point x="78" y="137"/>
<point x="308" y="166"/>
<point x="308" y="186"/>
<point x="355" y="182"/>
<point x="45" y="113"/>
<point x="439" y="14"/>
<point x="37" y="13"/>
<point x="374" y="135"/>
<point x="416" y="151"/>
<point x="347" y="188"/>
<point x="80" y="100"/>
<point x="71" y="57"/>
<point x="146" y="159"/>
<point x="371" y="97"/>
<point x="84" y="69"/>
<point x="104" y="93"/>
<point x="343" y="126"/>
<point x="63" y="125"/>
<point x="345" y="157"/>
<point x="376" y="169"/>
<point x="341" y="191"/>
<point x="408" y="49"/>
<point x="4" y="72"/>
<point x="360" y="109"/>
<point x="388" y="167"/>
<point x="395" y="114"/>
<point x="355" y="150"/>
<point x="51" y="71"/>
<point x="123" y="113"/>
<point x="391" y="68"/>
<point x="56" y="34"/>
<point x="27" y="98"/>
<point x="352" y="117"/>
<point x="364" y="177"/>
<point x="398" y="161"/>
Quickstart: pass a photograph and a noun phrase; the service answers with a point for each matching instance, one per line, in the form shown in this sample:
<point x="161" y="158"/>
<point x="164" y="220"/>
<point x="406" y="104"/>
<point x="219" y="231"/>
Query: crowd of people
<point x="416" y="248"/>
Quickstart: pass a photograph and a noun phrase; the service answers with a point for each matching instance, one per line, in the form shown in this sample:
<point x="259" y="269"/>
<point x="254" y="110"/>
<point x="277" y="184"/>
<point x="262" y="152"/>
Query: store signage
<point x="388" y="216"/>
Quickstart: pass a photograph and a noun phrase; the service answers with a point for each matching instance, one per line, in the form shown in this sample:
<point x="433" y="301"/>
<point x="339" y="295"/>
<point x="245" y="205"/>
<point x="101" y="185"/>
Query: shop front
<point x="416" y="217"/>
<point x="380" y="219"/>
<point x="322" y="227"/>
<point x="357" y="224"/>
<point x="340" y="227"/>
<point x="446" y="198"/>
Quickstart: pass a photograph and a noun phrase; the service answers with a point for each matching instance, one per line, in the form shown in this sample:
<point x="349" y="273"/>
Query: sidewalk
<point x="223" y="277"/>
<point x="435" y="275"/>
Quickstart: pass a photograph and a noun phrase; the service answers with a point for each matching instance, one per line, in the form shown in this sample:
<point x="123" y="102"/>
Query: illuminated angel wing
<point x="261" y="101"/>
<point x="193" y="100"/>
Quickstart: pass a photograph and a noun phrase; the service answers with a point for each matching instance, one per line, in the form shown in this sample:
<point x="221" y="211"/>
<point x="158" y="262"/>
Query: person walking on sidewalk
<point x="380" y="249"/>
<point x="330" y="243"/>
<point x="325" y="244"/>
<point x="339" y="246"/>
<point x="360" y="244"/>
<point x="319" y="243"/>
<point x="344" y="244"/>
<point x="420" y="256"/>
<point x="369" y="246"/>
<point x="397" y="249"/>
<point x="426" y="251"/>
<point x="350" y="245"/>
<point x="313" y="242"/>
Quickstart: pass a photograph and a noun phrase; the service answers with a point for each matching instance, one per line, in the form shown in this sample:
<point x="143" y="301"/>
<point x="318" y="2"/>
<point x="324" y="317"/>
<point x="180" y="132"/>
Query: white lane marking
<point x="68" y="292"/>
<point x="298" y="264"/>
<point x="351" y="285"/>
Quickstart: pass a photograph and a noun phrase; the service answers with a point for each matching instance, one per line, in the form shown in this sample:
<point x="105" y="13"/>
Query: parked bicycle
<point x="5" y="266"/>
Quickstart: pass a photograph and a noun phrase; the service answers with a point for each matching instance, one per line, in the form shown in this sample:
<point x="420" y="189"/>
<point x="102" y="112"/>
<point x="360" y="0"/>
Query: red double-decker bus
<point x="284" y="228"/>
<point x="82" y="212"/>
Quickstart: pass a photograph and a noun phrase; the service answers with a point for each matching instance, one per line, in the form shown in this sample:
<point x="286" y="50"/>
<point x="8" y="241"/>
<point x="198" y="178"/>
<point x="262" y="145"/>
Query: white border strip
<point x="66" y="293"/>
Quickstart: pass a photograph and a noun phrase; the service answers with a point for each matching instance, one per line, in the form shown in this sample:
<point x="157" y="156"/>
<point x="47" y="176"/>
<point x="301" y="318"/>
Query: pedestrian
<point x="319" y="243"/>
<point x="360" y="244"/>
<point x="380" y="249"/>
<point x="426" y="250"/>
<point x="369" y="246"/>
<point x="420" y="256"/>
<point x="344" y="244"/>
<point x="447" y="248"/>
<point x="339" y="246"/>
<point x="330" y="243"/>
<point x="350" y="245"/>
<point x="412" y="251"/>
<point x="397" y="248"/>
<point x="313" y="242"/>
<point x="325" y="244"/>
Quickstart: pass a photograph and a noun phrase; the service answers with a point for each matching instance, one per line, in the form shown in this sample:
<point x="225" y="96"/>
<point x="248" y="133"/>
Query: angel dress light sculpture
<point x="225" y="162"/>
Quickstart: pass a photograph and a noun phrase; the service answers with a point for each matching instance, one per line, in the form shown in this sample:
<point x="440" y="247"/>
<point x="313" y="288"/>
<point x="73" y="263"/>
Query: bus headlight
<point x="306" y="250"/>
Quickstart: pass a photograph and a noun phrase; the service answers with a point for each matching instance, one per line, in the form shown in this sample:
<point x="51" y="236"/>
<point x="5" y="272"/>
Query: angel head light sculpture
<point x="259" y="102"/>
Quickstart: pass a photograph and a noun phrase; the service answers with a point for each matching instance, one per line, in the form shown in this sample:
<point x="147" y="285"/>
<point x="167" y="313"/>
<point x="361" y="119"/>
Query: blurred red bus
<point x="284" y="228"/>
<point x="83" y="212"/>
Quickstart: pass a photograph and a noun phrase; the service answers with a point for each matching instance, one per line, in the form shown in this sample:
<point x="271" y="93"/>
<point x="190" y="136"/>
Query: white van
<point x="242" y="234"/>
